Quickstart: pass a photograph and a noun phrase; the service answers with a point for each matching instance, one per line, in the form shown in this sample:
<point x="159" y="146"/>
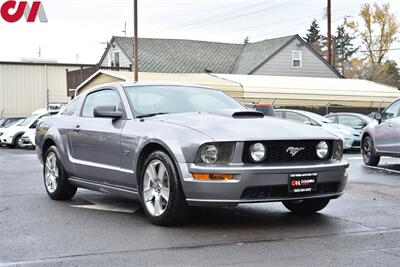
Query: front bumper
<point x="6" y="140"/>
<point x="253" y="184"/>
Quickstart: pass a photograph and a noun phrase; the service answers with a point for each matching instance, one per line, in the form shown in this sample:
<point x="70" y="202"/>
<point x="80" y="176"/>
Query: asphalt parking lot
<point x="362" y="228"/>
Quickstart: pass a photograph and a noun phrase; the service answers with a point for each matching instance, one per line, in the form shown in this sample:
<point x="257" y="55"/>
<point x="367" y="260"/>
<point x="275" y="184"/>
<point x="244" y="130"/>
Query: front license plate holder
<point x="302" y="183"/>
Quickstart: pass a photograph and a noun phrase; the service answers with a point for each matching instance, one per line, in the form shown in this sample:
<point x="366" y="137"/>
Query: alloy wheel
<point x="156" y="187"/>
<point x="367" y="149"/>
<point x="51" y="172"/>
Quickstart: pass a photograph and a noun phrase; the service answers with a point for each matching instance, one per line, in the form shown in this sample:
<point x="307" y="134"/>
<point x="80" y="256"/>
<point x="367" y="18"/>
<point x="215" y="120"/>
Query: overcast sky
<point x="76" y="28"/>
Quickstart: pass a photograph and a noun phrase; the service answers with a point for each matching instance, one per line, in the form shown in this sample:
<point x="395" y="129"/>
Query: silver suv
<point x="382" y="137"/>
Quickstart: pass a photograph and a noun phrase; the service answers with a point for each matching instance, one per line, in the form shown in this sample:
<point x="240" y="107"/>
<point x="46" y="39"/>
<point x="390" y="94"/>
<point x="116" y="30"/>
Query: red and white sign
<point x="13" y="11"/>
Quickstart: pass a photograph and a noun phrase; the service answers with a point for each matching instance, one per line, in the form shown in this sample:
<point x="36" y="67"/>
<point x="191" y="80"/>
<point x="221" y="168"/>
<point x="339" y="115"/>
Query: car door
<point x="96" y="142"/>
<point x="351" y="121"/>
<point x="387" y="133"/>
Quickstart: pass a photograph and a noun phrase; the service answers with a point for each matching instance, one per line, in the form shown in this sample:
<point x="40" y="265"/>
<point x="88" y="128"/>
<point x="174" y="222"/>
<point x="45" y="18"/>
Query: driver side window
<point x="392" y="111"/>
<point x="101" y="98"/>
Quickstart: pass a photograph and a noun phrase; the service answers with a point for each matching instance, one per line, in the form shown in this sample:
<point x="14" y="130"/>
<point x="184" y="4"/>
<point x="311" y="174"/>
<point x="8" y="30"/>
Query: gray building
<point x="285" y="56"/>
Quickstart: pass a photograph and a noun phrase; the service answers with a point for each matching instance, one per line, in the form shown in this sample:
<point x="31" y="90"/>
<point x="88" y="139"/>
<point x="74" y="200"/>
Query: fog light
<point x="215" y="176"/>
<point x="258" y="152"/>
<point x="322" y="150"/>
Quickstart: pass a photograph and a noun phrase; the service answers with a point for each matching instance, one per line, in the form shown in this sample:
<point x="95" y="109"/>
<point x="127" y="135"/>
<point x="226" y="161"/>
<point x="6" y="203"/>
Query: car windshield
<point x="28" y="121"/>
<point x="178" y="99"/>
<point x="14" y="123"/>
<point x="317" y="117"/>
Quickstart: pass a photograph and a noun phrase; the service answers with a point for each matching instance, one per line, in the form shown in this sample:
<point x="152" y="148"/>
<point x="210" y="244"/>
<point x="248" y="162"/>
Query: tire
<point x="368" y="152"/>
<point x="160" y="190"/>
<point x="307" y="206"/>
<point x="55" y="177"/>
<point x="17" y="142"/>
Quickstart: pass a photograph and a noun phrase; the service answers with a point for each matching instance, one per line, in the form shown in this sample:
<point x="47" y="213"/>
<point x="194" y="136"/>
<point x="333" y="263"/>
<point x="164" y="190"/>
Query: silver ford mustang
<point x="174" y="146"/>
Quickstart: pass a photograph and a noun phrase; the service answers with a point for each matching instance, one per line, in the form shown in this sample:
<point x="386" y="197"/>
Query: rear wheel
<point x="307" y="206"/>
<point x="368" y="152"/>
<point x="18" y="143"/>
<point x="160" y="191"/>
<point x="55" y="178"/>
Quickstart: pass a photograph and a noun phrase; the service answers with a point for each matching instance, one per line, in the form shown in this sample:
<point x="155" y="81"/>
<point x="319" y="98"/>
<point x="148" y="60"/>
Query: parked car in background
<point x="350" y="137"/>
<point x="356" y="121"/>
<point x="266" y="109"/>
<point x="382" y="137"/>
<point x="12" y="136"/>
<point x="173" y="146"/>
<point x="28" y="138"/>
<point x="7" y="121"/>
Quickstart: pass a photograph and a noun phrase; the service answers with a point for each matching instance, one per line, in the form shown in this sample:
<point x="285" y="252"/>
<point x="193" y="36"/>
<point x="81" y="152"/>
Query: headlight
<point x="322" y="150"/>
<point x="337" y="150"/>
<point x="258" y="152"/>
<point x="209" y="154"/>
<point x="215" y="153"/>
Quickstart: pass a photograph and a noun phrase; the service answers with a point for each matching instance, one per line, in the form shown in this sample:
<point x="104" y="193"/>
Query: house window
<point x="115" y="62"/>
<point x="296" y="59"/>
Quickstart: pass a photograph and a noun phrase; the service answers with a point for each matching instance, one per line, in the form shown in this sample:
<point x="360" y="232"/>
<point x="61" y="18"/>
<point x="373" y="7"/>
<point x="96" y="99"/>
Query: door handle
<point x="390" y="124"/>
<point x="77" y="129"/>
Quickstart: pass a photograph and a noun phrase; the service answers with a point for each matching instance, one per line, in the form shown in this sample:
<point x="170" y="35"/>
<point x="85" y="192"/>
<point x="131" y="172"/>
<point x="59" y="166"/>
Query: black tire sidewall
<point x="373" y="159"/>
<point x="16" y="144"/>
<point x="64" y="189"/>
<point x="172" y="214"/>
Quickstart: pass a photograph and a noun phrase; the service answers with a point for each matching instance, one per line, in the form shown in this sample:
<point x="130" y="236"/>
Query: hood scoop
<point x="247" y="114"/>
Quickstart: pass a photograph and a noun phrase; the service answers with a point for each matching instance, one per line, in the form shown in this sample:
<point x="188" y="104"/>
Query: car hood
<point x="14" y="129"/>
<point x="223" y="126"/>
<point x="341" y="129"/>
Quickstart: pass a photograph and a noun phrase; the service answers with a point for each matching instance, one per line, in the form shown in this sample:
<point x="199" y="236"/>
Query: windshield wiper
<point x="151" y="115"/>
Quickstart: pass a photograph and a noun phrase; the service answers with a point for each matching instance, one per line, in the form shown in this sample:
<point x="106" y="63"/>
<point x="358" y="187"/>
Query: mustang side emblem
<point x="294" y="150"/>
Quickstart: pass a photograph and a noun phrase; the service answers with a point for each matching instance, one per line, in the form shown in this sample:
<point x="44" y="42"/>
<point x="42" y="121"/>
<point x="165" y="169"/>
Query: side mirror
<point x="378" y="116"/>
<point x="107" y="112"/>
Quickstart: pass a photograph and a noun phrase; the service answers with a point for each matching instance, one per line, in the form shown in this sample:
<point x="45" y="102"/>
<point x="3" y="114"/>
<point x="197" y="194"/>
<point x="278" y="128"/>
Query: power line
<point x="206" y="23"/>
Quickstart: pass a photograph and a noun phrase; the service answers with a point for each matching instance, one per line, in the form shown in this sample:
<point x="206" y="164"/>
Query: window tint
<point x="350" y="121"/>
<point x="70" y="108"/>
<point x="101" y="98"/>
<point x="392" y="111"/>
<point x="297" y="117"/>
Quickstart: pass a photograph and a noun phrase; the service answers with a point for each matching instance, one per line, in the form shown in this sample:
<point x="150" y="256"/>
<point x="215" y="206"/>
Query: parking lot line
<point x="383" y="169"/>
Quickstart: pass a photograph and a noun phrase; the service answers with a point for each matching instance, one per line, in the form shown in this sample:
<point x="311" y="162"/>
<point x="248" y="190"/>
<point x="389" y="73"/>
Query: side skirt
<point x="105" y="188"/>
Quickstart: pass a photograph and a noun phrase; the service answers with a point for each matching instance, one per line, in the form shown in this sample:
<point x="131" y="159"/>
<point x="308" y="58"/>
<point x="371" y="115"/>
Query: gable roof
<point x="191" y="56"/>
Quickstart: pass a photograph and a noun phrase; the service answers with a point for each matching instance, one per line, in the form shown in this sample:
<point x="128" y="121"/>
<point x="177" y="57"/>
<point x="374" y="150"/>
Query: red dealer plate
<point x="303" y="183"/>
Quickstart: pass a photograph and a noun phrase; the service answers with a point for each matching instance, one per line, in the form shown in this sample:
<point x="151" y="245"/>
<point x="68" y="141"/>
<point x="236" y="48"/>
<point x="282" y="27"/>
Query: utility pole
<point x="135" y="64"/>
<point x="124" y="31"/>
<point x="329" y="17"/>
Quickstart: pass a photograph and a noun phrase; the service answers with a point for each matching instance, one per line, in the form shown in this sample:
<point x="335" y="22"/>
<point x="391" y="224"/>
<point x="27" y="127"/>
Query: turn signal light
<point x="216" y="176"/>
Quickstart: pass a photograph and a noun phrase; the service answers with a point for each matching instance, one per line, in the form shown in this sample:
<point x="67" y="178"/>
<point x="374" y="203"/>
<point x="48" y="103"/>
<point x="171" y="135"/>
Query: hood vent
<point x="247" y="114"/>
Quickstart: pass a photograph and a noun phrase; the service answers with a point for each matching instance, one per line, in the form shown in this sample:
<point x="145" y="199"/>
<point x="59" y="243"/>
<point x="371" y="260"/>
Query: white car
<point x="350" y="137"/>
<point x="28" y="139"/>
<point x="12" y="136"/>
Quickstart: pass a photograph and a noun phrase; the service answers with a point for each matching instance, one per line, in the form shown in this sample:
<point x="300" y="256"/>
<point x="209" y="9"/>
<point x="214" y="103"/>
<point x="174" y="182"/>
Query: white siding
<point x="23" y="87"/>
<point x="123" y="59"/>
<point x="281" y="64"/>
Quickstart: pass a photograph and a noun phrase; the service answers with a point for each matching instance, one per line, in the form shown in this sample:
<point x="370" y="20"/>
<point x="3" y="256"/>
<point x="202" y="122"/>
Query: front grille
<point x="277" y="151"/>
<point x="281" y="191"/>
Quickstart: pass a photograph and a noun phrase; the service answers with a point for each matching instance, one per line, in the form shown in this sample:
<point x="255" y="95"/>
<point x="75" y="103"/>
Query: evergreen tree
<point x="344" y="48"/>
<point x="314" y="38"/>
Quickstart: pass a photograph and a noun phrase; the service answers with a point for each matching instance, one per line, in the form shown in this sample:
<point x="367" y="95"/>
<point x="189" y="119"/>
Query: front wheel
<point x="307" y="206"/>
<point x="55" y="177"/>
<point x="160" y="191"/>
<point x="18" y="142"/>
<point x="368" y="152"/>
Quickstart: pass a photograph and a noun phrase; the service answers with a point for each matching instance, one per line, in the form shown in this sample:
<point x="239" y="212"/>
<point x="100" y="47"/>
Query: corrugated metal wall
<point x="23" y="87"/>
